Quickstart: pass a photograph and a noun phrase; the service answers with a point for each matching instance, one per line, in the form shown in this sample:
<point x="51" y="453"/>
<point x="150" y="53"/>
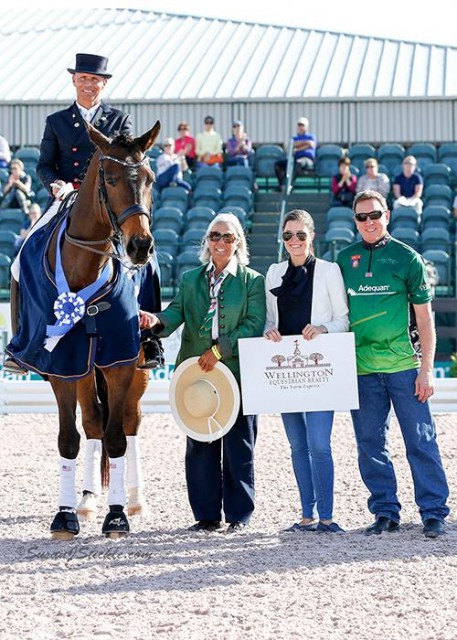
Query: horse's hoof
<point x="136" y="509"/>
<point x="62" y="535"/>
<point x="116" y="535"/>
<point x="136" y="505"/>
<point x="86" y="515"/>
<point x="87" y="508"/>
<point x="65" y="526"/>
<point x="115" y="525"/>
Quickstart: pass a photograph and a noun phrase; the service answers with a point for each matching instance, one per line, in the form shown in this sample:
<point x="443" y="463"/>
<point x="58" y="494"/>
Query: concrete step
<point x="261" y="264"/>
<point x="267" y="209"/>
<point x="263" y="245"/>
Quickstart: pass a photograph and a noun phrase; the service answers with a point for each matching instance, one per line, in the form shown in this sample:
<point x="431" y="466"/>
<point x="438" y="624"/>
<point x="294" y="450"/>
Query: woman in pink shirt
<point x="185" y="145"/>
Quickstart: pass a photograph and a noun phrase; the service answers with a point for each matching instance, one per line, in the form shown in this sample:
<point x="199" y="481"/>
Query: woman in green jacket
<point x="217" y="303"/>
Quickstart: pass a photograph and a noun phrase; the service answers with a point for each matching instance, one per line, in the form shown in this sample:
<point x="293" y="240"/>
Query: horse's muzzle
<point x="139" y="249"/>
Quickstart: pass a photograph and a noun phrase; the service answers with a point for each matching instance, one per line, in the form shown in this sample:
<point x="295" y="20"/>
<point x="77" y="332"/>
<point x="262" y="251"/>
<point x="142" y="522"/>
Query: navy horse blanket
<point x="108" y="332"/>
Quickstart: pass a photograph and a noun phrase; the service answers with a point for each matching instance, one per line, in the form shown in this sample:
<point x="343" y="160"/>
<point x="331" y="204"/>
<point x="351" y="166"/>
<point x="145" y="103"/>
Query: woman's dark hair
<point x="301" y="216"/>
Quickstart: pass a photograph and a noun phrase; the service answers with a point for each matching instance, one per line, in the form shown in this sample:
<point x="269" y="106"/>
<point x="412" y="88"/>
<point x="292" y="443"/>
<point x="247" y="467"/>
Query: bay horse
<point x="97" y="250"/>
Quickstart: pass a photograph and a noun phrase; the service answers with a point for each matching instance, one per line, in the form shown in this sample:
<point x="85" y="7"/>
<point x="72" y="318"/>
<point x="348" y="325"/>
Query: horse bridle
<point x="116" y="222"/>
<point x="135" y="209"/>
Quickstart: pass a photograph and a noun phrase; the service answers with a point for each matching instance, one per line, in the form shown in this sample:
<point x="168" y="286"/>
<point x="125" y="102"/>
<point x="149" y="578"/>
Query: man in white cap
<point x="304" y="152"/>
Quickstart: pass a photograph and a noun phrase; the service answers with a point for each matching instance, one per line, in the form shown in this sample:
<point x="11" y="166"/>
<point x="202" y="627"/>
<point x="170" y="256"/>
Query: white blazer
<point x="329" y="303"/>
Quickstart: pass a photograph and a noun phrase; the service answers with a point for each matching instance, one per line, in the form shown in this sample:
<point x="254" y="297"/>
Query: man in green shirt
<point x="383" y="277"/>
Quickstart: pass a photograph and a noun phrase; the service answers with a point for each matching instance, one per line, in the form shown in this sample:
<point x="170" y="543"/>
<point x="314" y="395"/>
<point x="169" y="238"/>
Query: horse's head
<point x="125" y="188"/>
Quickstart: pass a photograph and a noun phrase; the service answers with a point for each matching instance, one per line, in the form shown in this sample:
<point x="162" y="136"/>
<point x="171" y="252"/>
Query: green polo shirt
<point x="381" y="281"/>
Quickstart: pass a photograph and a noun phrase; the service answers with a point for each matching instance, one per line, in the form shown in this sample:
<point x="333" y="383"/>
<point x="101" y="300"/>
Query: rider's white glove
<point x="65" y="189"/>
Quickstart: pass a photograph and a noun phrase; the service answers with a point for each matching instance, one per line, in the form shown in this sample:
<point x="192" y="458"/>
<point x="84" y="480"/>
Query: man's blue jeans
<point x="309" y="437"/>
<point x="171" y="175"/>
<point x="377" y="393"/>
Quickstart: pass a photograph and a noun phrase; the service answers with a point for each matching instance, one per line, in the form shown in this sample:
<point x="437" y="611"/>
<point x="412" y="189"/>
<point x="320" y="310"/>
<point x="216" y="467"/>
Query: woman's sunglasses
<point x="373" y="215"/>
<point x="215" y="236"/>
<point x="288" y="235"/>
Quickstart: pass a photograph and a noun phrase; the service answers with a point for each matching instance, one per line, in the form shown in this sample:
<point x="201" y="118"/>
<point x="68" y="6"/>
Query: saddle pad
<point x="111" y="338"/>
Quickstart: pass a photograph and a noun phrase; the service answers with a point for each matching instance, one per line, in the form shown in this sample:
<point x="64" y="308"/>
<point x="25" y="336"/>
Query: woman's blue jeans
<point x="309" y="437"/>
<point x="377" y="393"/>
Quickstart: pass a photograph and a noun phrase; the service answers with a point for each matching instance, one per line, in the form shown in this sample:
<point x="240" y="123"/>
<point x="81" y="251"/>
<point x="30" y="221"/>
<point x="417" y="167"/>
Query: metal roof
<point x="155" y="56"/>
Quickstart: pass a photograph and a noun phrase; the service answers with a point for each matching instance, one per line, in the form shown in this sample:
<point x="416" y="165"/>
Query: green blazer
<point x="242" y="310"/>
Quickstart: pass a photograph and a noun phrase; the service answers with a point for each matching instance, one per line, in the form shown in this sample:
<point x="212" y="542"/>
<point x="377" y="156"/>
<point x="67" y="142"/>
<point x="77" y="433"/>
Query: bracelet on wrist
<point x="216" y="352"/>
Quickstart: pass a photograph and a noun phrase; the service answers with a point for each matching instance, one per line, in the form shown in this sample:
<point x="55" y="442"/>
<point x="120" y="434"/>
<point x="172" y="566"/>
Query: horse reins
<point x="116" y="222"/>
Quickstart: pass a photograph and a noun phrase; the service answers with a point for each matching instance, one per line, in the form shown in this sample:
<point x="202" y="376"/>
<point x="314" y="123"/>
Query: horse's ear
<point x="147" y="140"/>
<point x="98" y="138"/>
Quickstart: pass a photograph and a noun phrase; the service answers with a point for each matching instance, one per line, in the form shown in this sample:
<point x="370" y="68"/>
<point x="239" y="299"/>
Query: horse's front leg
<point x="134" y="478"/>
<point x="65" y="524"/>
<point x="118" y="380"/>
<point x="92" y="422"/>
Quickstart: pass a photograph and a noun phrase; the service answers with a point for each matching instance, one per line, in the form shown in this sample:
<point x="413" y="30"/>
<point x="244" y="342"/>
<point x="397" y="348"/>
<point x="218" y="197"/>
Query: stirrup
<point x="153" y="353"/>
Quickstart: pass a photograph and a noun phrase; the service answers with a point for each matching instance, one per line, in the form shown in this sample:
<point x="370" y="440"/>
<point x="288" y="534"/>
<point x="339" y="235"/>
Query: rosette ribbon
<point x="69" y="306"/>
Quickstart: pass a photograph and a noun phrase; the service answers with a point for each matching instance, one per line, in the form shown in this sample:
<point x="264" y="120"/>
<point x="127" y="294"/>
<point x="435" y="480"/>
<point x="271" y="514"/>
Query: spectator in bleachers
<point x="238" y="148"/>
<point x="5" y="153"/>
<point x="304" y="152"/>
<point x="17" y="191"/>
<point x="373" y="179"/>
<point x="408" y="186"/>
<point x="169" y="168"/>
<point x="454" y="206"/>
<point x="343" y="185"/>
<point x="185" y="146"/>
<point x="33" y="214"/>
<point x="209" y="145"/>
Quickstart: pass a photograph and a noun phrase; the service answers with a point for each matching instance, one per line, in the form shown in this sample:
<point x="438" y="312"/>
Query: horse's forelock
<point x="123" y="140"/>
<point x="126" y="142"/>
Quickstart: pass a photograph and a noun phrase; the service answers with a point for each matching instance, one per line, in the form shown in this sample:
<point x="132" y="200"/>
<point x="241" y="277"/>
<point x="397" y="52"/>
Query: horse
<point x="98" y="250"/>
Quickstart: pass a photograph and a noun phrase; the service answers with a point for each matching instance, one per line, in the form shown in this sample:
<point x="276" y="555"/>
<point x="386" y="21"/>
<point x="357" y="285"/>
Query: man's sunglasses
<point x="288" y="235"/>
<point x="373" y="215"/>
<point x="215" y="236"/>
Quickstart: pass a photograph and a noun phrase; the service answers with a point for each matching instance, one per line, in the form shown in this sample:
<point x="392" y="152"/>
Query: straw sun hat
<point x="204" y="405"/>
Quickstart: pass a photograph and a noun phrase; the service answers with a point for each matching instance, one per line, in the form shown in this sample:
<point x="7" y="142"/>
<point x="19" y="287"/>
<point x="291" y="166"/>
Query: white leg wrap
<point x="92" y="473"/>
<point x="67" y="494"/>
<point x="116" y="491"/>
<point x="134" y="476"/>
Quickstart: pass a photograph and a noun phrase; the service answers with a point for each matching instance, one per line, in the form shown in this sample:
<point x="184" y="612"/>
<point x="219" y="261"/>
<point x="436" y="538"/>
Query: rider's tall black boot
<point x="152" y="349"/>
<point x="9" y="364"/>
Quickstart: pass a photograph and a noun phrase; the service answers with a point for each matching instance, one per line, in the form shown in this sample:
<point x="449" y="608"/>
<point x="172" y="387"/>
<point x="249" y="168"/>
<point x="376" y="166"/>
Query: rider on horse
<point x="64" y="154"/>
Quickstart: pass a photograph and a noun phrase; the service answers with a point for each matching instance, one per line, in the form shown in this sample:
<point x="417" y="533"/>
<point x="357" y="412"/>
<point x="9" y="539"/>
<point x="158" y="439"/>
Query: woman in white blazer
<point x="306" y="295"/>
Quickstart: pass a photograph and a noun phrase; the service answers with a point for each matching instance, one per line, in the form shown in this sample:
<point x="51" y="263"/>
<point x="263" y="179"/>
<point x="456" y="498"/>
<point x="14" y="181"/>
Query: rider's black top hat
<point x="88" y="63"/>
